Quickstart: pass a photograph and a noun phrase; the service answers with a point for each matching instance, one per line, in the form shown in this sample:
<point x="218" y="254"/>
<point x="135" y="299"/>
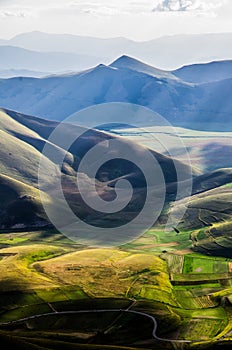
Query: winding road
<point x="65" y="313"/>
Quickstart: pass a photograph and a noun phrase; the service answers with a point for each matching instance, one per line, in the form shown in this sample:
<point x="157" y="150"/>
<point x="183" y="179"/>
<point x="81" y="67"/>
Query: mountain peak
<point x="128" y="62"/>
<point x="125" y="60"/>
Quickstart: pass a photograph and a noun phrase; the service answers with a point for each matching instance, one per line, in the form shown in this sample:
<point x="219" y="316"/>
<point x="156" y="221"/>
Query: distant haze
<point x="54" y="53"/>
<point x="137" y="20"/>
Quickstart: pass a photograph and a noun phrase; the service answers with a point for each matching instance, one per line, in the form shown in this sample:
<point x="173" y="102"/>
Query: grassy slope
<point x="208" y="216"/>
<point x="19" y="159"/>
<point x="22" y="140"/>
<point x="29" y="286"/>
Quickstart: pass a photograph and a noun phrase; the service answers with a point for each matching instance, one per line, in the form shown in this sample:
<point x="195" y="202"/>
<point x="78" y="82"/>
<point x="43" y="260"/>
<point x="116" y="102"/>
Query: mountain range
<point x="105" y="229"/>
<point x="79" y="52"/>
<point x="23" y="59"/>
<point x="205" y="73"/>
<point x="11" y="73"/>
<point x="203" y="104"/>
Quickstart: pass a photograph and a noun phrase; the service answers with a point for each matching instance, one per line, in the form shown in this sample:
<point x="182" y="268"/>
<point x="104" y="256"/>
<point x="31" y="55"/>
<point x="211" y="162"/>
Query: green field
<point x="43" y="272"/>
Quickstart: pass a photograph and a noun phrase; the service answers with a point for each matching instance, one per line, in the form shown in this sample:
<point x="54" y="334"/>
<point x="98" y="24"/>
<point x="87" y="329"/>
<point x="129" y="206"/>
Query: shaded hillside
<point x="20" y="204"/>
<point x="22" y="141"/>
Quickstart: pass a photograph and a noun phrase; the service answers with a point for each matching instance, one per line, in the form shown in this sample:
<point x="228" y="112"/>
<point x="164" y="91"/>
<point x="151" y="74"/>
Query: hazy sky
<point x="135" y="19"/>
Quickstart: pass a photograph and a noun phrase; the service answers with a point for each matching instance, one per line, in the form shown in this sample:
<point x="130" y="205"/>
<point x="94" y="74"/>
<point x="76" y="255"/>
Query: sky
<point x="135" y="19"/>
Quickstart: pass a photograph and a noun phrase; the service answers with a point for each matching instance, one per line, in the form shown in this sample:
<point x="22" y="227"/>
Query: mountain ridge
<point x="128" y="62"/>
<point x="206" y="72"/>
<point x="186" y="49"/>
<point x="182" y="103"/>
<point x="52" y="62"/>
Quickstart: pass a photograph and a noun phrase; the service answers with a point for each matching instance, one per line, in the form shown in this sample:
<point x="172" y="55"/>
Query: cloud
<point x="7" y="14"/>
<point x="29" y="3"/>
<point x="186" y="5"/>
<point x="130" y="7"/>
<point x="112" y="7"/>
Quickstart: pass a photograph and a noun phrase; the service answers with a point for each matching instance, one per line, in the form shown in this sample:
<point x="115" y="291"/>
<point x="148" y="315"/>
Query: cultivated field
<point x="188" y="293"/>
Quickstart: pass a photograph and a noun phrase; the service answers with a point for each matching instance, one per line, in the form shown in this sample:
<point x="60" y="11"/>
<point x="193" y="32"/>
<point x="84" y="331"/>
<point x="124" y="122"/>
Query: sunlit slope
<point x="19" y="156"/>
<point x="88" y="139"/>
<point x="209" y="218"/>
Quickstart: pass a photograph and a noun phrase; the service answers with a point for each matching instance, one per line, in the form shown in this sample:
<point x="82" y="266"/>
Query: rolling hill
<point x="204" y="106"/>
<point x="22" y="141"/>
<point x="208" y="218"/>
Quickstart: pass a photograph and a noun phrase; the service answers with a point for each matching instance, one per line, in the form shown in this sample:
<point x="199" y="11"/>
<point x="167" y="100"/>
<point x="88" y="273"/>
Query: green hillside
<point x="22" y="142"/>
<point x="181" y="277"/>
<point x="208" y="217"/>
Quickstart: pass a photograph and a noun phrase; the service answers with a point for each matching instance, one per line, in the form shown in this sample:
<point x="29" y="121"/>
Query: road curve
<point x="65" y="313"/>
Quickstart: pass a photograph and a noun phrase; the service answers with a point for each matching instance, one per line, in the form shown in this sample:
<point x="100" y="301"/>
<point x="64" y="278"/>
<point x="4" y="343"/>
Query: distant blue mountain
<point x="168" y="52"/>
<point x="197" y="105"/>
<point x="23" y="59"/>
<point x="205" y="73"/>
